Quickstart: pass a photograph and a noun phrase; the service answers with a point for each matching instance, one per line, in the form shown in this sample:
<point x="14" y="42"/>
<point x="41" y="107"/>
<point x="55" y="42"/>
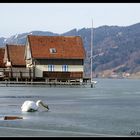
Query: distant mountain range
<point x="116" y="49"/>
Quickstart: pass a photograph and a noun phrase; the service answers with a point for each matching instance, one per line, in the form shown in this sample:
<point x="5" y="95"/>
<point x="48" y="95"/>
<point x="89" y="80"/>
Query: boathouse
<point x="15" y="63"/>
<point x="55" y="58"/>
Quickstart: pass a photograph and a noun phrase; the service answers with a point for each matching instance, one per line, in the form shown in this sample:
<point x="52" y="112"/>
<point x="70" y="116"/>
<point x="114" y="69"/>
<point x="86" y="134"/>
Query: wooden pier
<point x="44" y="84"/>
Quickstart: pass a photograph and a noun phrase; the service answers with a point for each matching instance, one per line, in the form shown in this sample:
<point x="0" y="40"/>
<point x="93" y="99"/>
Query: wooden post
<point x="17" y="79"/>
<point x="11" y="73"/>
<point x="20" y="74"/>
<point x="29" y="73"/>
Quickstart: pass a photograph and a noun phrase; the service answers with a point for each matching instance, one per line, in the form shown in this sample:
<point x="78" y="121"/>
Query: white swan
<point x="31" y="106"/>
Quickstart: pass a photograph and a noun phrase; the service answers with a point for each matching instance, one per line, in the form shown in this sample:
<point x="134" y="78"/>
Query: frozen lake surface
<point x="112" y="108"/>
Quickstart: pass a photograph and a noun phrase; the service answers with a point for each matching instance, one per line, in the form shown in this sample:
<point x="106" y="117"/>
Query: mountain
<point x="21" y="38"/>
<point x="116" y="49"/>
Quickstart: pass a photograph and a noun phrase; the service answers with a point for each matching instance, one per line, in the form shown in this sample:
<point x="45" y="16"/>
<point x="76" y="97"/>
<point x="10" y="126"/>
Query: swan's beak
<point x="47" y="107"/>
<point x="44" y="105"/>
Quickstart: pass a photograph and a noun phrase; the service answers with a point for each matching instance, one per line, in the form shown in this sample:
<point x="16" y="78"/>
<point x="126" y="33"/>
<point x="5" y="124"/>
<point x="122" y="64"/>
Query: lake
<point x="112" y="108"/>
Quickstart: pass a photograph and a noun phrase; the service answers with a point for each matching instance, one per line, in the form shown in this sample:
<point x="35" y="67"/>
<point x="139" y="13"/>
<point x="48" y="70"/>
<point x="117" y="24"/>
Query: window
<point x="50" y="67"/>
<point x="52" y="50"/>
<point x="64" y="67"/>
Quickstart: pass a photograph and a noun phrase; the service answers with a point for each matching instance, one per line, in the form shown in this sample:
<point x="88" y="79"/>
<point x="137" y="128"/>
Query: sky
<point x="59" y="18"/>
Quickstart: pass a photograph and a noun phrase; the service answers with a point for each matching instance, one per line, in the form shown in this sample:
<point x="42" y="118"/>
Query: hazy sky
<point x="62" y="17"/>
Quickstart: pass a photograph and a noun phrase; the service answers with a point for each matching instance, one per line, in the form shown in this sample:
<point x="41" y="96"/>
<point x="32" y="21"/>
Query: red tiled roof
<point x="67" y="47"/>
<point x="16" y="54"/>
<point x="2" y="50"/>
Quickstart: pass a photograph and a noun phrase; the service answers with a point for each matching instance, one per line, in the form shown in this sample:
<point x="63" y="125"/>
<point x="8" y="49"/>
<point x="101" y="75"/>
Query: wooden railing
<point x="63" y="75"/>
<point x="16" y="73"/>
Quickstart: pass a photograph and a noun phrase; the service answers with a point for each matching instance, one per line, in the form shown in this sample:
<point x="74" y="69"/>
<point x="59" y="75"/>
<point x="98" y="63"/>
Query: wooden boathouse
<point x="15" y="63"/>
<point x="55" y="58"/>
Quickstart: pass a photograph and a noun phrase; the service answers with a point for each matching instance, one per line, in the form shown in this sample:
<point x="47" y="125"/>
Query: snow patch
<point x="16" y="36"/>
<point x="5" y="39"/>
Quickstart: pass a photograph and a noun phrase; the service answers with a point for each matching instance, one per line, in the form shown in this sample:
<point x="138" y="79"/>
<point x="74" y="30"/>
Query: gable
<point x="27" y="54"/>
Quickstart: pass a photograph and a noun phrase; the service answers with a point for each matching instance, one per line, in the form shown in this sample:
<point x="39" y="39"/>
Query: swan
<point x="31" y="106"/>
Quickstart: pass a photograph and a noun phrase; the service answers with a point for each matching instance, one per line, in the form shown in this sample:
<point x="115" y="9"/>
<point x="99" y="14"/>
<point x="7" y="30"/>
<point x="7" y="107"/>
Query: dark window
<point x="52" y="50"/>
